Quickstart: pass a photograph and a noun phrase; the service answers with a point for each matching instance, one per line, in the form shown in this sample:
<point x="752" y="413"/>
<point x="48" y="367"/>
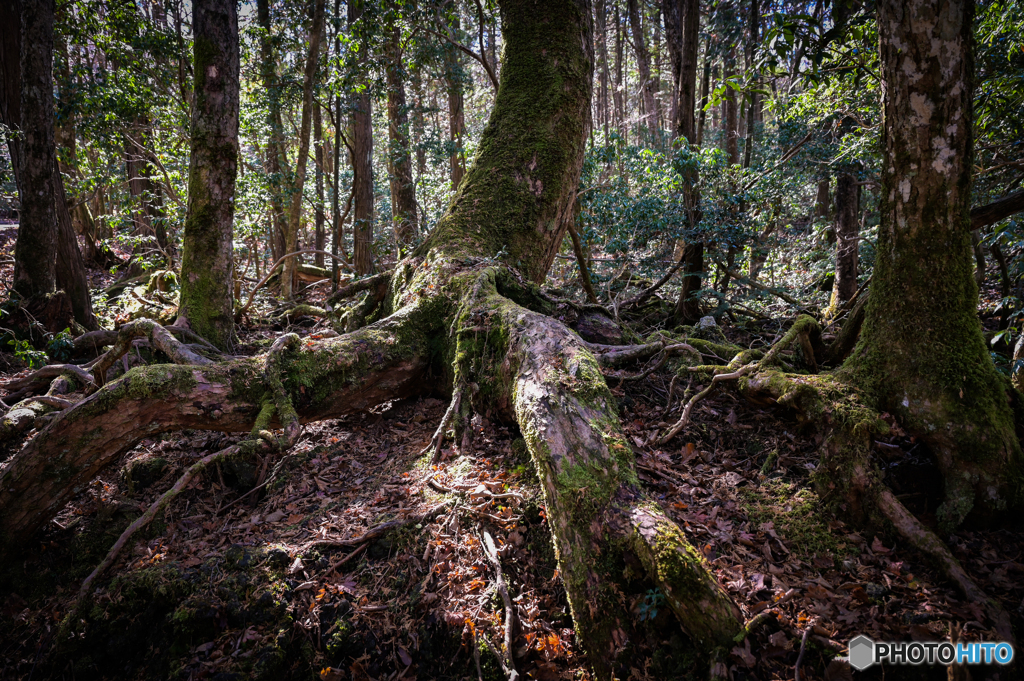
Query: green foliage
<point x="24" y="351"/>
<point x="60" y="346"/>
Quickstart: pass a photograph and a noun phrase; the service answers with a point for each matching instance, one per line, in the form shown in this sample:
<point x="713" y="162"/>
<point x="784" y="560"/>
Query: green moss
<point x="798" y="517"/>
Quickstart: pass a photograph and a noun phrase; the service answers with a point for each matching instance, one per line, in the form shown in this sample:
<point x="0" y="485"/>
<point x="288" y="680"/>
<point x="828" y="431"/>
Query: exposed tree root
<point x="378" y="531"/>
<point x="799" y="331"/>
<point x="438" y="438"/>
<point x="847" y="477"/>
<point x="508" y="659"/>
<point x="147" y="517"/>
<point x="159" y="336"/>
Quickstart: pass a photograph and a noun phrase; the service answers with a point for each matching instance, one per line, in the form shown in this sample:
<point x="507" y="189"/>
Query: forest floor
<point x="278" y="585"/>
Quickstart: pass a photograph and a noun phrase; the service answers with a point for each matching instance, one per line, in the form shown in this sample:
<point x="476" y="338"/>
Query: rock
<point x="278" y="559"/>
<point x="595" y="327"/>
<point x="707" y="329"/>
<point x="141" y="473"/>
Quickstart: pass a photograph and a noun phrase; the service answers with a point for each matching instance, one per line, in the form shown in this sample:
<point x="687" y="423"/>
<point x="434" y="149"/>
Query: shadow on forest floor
<point x="226" y="587"/>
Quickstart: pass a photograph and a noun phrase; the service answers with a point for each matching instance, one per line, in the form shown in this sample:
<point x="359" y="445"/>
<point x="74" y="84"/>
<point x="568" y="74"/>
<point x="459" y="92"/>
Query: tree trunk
<point x="754" y="25"/>
<point x="922" y="353"/>
<point x="847" y="240"/>
<point x="705" y="84"/>
<point x="643" y="65"/>
<point x="730" y="110"/>
<point x="362" y="158"/>
<point x="604" y="72"/>
<point x="684" y="18"/>
<point x="319" y="158"/>
<point x="619" y="94"/>
<point x="456" y="114"/>
<point x="207" y="251"/>
<point x="69" y="269"/>
<point x="403" y="189"/>
<point x="276" y="163"/>
<point x="35" y="251"/>
<point x="291" y="242"/>
<point x="451" y="299"/>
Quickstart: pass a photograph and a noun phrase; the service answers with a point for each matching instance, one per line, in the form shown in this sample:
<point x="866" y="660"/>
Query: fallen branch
<point x="508" y="663"/>
<point x="147" y="517"/>
<point x="380" y="530"/>
<point x="273" y="269"/>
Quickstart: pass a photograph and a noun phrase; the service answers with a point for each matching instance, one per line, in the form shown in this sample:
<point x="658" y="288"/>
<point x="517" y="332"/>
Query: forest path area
<point x="286" y="583"/>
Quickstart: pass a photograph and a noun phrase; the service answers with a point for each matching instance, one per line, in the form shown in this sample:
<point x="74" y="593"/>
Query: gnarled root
<point x="325" y="379"/>
<point x="600" y="520"/>
<point x="846" y="469"/>
<point x="159" y="336"/>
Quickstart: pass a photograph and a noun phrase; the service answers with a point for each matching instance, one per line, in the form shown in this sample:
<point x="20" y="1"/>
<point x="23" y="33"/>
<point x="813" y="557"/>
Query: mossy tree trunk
<point x="207" y="249"/>
<point x="462" y="301"/>
<point x="921" y="354"/>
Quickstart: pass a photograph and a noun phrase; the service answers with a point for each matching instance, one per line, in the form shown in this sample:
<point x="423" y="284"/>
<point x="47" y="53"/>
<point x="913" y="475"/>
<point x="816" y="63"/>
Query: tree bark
<point x="403" y="189"/>
<point x="1000" y="209"/>
<point x="276" y="161"/>
<point x="456" y="113"/>
<point x="207" y="250"/>
<point x="319" y="158"/>
<point x="69" y="269"/>
<point x="684" y="18"/>
<point x="921" y="351"/>
<point x="362" y="157"/>
<point x="652" y="113"/>
<point x="847" y="239"/>
<point x="454" y="298"/>
<point x="298" y="184"/>
<point x="35" y="251"/>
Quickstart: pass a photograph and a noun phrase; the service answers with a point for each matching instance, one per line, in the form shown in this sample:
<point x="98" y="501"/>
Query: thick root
<point x="325" y="379"/>
<point x="846" y="470"/>
<point x="600" y="521"/>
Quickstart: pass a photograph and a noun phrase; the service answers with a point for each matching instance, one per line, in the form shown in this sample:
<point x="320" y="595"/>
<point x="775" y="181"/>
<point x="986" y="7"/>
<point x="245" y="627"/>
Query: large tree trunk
<point x="403" y="189"/>
<point x="453" y="303"/>
<point x="362" y="157"/>
<point x="35" y="251"/>
<point x="207" y="249"/>
<point x="922" y="353"/>
<point x="70" y="268"/>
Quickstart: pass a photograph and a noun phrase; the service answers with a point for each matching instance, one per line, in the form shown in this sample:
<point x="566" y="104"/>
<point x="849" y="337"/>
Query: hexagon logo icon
<point x="862" y="653"/>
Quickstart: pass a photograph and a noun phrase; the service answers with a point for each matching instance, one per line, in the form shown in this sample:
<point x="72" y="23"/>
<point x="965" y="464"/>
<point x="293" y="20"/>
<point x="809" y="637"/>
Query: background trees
<point x="707" y="193"/>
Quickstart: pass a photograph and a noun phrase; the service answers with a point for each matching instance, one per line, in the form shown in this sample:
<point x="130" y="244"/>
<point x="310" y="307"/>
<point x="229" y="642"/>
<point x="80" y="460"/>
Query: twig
<point x="681" y="423"/>
<point x="348" y="557"/>
<point x="800" y="657"/>
<point x="147" y="517"/>
<point x="492" y="555"/>
<point x="438" y="439"/>
<point x="782" y="161"/>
